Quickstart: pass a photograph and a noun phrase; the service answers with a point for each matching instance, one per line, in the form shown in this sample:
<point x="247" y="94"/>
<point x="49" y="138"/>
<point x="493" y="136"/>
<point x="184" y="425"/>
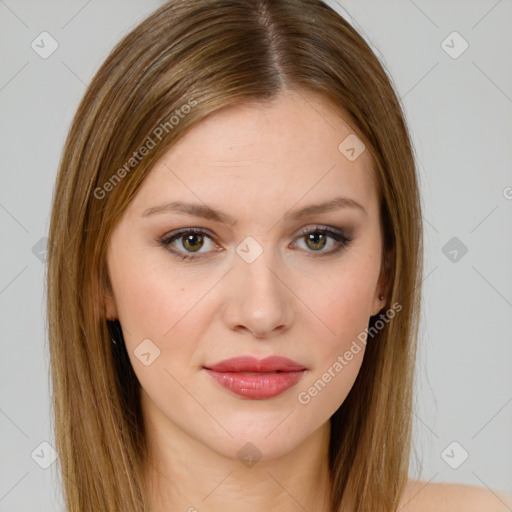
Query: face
<point x="250" y="270"/>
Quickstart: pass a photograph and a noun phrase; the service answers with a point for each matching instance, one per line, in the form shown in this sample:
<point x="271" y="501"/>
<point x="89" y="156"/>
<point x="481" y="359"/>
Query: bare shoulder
<point x="442" y="497"/>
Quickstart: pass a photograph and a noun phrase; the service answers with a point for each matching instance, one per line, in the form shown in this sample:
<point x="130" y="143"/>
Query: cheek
<point x="339" y="354"/>
<point x="342" y="302"/>
<point x="153" y="302"/>
<point x="169" y="308"/>
<point x="343" y="307"/>
<point x="162" y="320"/>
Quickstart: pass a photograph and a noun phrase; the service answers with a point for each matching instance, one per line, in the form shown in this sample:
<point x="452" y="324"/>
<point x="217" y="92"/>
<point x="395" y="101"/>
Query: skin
<point x="255" y="162"/>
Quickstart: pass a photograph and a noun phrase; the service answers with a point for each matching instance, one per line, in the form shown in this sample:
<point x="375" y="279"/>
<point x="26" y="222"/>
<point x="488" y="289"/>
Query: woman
<point x="235" y="264"/>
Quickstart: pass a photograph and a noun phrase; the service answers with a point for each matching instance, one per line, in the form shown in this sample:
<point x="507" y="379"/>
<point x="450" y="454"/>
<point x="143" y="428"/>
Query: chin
<point x="265" y="436"/>
<point x="257" y="447"/>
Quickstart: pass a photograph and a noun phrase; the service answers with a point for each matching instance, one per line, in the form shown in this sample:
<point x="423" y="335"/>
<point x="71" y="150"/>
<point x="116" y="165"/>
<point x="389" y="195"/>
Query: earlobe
<point x="110" y="307"/>
<point x="378" y="304"/>
<point x="382" y="289"/>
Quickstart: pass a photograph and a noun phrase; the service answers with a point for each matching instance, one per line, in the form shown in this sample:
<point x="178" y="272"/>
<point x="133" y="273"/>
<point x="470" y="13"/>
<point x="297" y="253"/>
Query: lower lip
<point x="257" y="386"/>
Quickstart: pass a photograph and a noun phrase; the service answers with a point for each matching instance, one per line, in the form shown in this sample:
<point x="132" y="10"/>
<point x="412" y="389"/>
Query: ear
<point x="383" y="287"/>
<point x="110" y="308"/>
<point x="104" y="297"/>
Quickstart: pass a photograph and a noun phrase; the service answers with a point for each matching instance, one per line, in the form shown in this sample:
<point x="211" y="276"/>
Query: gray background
<point x="459" y="111"/>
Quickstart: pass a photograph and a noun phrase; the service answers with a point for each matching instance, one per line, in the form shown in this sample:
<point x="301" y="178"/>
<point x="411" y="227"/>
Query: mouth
<point x="256" y="379"/>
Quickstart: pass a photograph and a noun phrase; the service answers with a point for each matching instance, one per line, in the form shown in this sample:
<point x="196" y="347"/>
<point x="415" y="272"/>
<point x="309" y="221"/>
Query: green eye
<point x="193" y="240"/>
<point x="317" y="238"/>
<point x="317" y="241"/>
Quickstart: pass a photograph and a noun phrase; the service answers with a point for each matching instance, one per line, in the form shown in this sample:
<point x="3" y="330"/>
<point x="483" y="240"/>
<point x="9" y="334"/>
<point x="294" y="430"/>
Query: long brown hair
<point x="188" y="60"/>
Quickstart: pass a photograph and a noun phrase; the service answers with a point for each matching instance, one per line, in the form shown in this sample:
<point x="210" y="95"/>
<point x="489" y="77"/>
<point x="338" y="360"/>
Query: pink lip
<point x="257" y="379"/>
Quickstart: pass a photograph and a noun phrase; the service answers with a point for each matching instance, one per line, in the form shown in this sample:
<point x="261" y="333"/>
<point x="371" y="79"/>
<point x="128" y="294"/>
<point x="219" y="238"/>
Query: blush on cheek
<point x="341" y="318"/>
<point x="151" y="303"/>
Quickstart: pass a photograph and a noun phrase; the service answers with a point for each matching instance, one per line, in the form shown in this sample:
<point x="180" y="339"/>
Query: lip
<point x="257" y="379"/>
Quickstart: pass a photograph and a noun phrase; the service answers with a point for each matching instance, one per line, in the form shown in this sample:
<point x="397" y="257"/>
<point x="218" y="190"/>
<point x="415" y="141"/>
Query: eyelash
<point x="342" y="240"/>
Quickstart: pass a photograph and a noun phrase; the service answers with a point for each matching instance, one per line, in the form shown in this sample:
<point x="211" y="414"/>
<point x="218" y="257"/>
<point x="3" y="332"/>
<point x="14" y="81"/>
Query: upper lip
<point x="252" y="364"/>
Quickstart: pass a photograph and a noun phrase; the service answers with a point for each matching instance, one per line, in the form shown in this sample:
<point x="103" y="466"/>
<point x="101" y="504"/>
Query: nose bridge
<point x="255" y="270"/>
<point x="258" y="274"/>
<point x="261" y="302"/>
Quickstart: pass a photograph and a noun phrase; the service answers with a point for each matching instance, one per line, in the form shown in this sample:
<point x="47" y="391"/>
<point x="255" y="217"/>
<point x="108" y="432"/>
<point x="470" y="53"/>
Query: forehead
<point x="265" y="153"/>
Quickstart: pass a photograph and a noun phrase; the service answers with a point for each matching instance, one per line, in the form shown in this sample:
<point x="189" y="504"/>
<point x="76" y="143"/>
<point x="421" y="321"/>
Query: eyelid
<point x="167" y="239"/>
<point x="339" y="235"/>
<point x="303" y="231"/>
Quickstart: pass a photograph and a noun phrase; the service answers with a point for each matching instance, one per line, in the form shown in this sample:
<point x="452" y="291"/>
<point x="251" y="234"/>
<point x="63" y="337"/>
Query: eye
<point x="187" y="243"/>
<point x="190" y="239"/>
<point x="316" y="239"/>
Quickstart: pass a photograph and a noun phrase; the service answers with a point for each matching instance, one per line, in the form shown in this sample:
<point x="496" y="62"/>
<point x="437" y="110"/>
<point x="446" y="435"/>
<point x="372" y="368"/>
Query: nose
<point x="258" y="299"/>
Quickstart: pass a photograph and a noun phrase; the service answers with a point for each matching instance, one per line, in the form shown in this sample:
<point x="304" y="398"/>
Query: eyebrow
<point x="205" y="212"/>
